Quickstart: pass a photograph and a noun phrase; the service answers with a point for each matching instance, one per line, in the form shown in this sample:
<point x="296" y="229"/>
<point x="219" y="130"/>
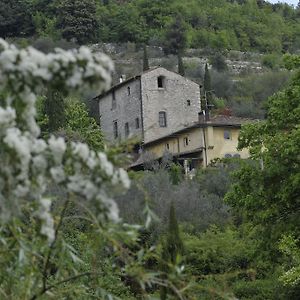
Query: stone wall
<point x="127" y="110"/>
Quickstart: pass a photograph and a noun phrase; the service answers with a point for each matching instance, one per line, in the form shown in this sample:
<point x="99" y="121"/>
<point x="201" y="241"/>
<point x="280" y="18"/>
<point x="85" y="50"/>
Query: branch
<point x="51" y="248"/>
<point x="45" y="289"/>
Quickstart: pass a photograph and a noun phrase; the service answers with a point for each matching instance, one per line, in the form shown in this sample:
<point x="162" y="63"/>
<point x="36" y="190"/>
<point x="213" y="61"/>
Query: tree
<point x="267" y="192"/>
<point x="77" y="20"/>
<point x="172" y="248"/>
<point x="176" y="38"/>
<point x="54" y="109"/>
<point x="181" y="70"/>
<point x="80" y="125"/>
<point x="218" y="62"/>
<point x="145" y="58"/>
<point x="15" y="20"/>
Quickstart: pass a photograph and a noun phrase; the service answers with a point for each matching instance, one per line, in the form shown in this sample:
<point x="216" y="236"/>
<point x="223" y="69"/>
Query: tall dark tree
<point x="176" y="37"/>
<point x="77" y="20"/>
<point x="54" y="109"/>
<point x="172" y="247"/>
<point x="218" y="62"/>
<point x="15" y="19"/>
<point x="181" y="70"/>
<point x="145" y="59"/>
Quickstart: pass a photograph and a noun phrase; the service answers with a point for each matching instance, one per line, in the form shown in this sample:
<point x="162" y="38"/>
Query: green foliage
<point x="289" y="245"/>
<point x="218" y="62"/>
<point x="266" y="193"/>
<point x="291" y="61"/>
<point x="181" y="70"/>
<point x="77" y="20"/>
<point x="54" y="109"/>
<point x="271" y="61"/>
<point x="176" y="39"/>
<point x="15" y="19"/>
<point x="217" y="24"/>
<point x="79" y="123"/>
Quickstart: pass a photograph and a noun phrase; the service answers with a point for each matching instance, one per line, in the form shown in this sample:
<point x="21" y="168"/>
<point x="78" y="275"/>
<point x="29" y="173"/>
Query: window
<point x="227" y="135"/>
<point x="116" y="134"/>
<point x="227" y="155"/>
<point x="186" y="141"/>
<point x="236" y="155"/>
<point x="188" y="102"/>
<point x="162" y="119"/>
<point x="126" y="129"/>
<point x="160" y="82"/>
<point x="137" y="123"/>
<point x="113" y="101"/>
<point x="128" y="91"/>
<point x="167" y="146"/>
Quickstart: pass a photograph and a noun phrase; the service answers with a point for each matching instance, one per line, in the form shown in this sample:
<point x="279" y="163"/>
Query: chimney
<point x="201" y="117"/>
<point x="122" y="78"/>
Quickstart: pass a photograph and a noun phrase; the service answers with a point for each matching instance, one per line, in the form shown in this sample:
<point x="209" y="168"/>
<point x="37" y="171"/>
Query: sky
<point x="295" y="2"/>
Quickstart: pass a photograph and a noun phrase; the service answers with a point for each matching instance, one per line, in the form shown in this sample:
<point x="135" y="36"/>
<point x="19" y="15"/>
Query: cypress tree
<point x="172" y="247"/>
<point x="145" y="59"/>
<point x="54" y="108"/>
<point x="174" y="242"/>
<point x="180" y="65"/>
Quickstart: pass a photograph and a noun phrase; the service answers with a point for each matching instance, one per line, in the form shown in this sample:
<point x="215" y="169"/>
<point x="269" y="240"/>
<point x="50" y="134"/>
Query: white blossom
<point x="58" y="174"/>
<point x="29" y="162"/>
<point x="58" y="148"/>
<point x="7" y="116"/>
<point x="44" y="214"/>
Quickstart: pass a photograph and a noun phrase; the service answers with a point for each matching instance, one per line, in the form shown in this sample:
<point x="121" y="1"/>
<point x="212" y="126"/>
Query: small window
<point x="116" y="133"/>
<point x="227" y="135"/>
<point x="160" y="82"/>
<point x="137" y="123"/>
<point x="186" y="141"/>
<point x="188" y="102"/>
<point x="227" y="155"/>
<point x="127" y="129"/>
<point x="162" y="119"/>
<point x="167" y="146"/>
<point x="113" y="101"/>
<point x="128" y="91"/>
<point x="236" y="155"/>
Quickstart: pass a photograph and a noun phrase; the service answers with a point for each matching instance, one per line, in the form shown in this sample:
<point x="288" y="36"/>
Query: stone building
<point x="149" y="106"/>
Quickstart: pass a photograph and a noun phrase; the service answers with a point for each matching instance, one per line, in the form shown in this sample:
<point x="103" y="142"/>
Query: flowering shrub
<point x="36" y="258"/>
<point x="29" y="163"/>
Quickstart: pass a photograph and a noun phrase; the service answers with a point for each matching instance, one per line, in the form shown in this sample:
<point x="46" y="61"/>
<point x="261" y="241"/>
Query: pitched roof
<point x="215" y="121"/>
<point x="220" y="120"/>
<point x="116" y="86"/>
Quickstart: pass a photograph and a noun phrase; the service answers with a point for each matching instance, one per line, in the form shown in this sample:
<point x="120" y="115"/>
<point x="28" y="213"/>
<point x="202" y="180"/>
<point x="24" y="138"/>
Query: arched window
<point x="162" y="119"/>
<point x="227" y="155"/>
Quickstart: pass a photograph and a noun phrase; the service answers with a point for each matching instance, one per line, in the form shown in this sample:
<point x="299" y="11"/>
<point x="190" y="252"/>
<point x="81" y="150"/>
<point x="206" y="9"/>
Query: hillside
<point x="245" y="25"/>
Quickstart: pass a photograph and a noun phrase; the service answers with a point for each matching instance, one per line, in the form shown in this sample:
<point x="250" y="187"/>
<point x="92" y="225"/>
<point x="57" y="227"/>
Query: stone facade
<point x="178" y="97"/>
<point x="149" y="106"/>
<point x="122" y="105"/>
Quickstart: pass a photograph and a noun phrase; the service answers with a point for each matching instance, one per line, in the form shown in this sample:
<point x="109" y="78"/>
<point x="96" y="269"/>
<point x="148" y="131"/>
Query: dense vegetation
<point x="231" y="232"/>
<point x="244" y="25"/>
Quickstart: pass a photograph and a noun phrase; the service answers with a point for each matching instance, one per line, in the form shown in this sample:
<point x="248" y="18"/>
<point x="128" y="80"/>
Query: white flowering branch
<point x="29" y="163"/>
